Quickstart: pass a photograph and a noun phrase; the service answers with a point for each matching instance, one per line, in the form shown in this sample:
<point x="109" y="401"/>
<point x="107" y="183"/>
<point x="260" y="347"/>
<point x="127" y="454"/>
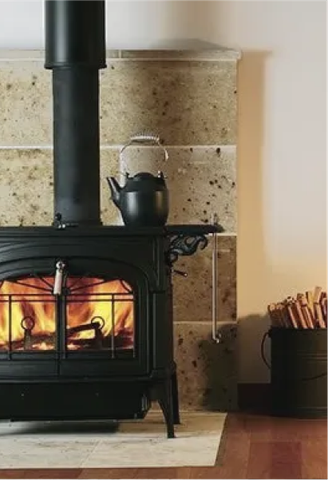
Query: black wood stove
<point x="86" y="323"/>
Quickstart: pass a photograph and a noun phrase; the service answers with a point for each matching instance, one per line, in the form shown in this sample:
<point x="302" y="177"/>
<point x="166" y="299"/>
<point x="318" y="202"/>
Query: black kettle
<point x="144" y="199"/>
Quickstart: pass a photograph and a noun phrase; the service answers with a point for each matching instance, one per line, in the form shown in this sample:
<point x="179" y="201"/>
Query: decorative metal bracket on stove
<point x="185" y="244"/>
<point x="186" y="239"/>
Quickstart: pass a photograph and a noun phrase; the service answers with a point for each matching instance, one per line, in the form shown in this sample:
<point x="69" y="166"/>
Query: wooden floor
<point x="252" y="446"/>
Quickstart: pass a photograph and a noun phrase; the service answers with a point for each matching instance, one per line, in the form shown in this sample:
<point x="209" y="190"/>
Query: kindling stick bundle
<point x="307" y="310"/>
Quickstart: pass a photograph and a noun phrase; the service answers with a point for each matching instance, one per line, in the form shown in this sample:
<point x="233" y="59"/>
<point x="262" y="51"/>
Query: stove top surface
<point x="112" y="230"/>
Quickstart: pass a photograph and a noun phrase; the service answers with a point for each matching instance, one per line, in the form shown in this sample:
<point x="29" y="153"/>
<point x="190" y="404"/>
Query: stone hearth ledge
<point x="105" y="444"/>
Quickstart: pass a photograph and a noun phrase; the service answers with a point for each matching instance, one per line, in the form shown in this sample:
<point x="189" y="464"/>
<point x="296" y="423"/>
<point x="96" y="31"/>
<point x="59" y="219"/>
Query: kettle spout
<point x="115" y="190"/>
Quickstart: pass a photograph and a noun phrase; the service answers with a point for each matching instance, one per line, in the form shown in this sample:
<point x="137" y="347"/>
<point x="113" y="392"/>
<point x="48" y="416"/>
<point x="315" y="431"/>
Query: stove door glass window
<point x="100" y="315"/>
<point x="27" y="315"/>
<point x="90" y="313"/>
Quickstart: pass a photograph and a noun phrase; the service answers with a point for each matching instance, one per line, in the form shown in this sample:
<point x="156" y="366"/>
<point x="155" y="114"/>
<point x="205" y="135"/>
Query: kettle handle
<point x="143" y="139"/>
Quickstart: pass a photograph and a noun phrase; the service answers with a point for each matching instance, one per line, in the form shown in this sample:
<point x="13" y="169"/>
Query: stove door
<point x="75" y="317"/>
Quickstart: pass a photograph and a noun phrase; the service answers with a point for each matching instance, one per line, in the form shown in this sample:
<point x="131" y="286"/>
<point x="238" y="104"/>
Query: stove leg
<point x="175" y="399"/>
<point x="164" y="397"/>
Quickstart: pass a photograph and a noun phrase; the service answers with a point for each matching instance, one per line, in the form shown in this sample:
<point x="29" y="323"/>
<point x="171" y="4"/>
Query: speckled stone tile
<point x="26" y="188"/>
<point x="26" y="104"/>
<point x="109" y="166"/>
<point x="192" y="296"/>
<point x="207" y="372"/>
<point x="188" y="102"/>
<point x="201" y="180"/>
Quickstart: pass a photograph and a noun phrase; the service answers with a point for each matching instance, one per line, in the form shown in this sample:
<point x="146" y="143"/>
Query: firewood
<point x="307" y="315"/>
<point x="300" y="314"/>
<point x="309" y="297"/>
<point x="34" y="342"/>
<point x="323" y="304"/>
<point x="292" y="315"/>
<point x="316" y="294"/>
<point x="284" y="315"/>
<point x="319" y="315"/>
<point x="307" y="312"/>
<point x="296" y="313"/>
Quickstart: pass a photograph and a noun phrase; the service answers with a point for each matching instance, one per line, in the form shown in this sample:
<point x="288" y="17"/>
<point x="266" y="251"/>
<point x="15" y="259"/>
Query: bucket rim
<point x="298" y="330"/>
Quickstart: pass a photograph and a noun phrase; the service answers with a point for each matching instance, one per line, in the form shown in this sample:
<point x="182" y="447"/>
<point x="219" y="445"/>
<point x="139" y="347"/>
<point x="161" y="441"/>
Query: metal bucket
<point x="299" y="372"/>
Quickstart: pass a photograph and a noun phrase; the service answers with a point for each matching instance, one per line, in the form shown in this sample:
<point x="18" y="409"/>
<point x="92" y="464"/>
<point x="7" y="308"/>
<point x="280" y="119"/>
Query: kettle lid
<point x="145" y="181"/>
<point x="143" y="176"/>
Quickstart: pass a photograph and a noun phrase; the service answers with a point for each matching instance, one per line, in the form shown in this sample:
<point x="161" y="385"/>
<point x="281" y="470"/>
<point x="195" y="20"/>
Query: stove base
<point x="81" y="400"/>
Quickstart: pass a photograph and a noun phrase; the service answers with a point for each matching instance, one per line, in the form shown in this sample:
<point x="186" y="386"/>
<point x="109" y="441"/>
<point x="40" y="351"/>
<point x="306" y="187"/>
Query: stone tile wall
<point x="190" y="100"/>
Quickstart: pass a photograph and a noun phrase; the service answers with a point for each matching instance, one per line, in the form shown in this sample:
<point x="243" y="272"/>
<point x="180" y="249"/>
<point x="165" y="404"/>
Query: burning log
<point x="306" y="311"/>
<point x="36" y="342"/>
<point x="83" y="328"/>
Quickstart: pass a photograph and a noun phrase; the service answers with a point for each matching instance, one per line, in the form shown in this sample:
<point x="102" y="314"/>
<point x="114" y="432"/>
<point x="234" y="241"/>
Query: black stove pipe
<point x="75" y="51"/>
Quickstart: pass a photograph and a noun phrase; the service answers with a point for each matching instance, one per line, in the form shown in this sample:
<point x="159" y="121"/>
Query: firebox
<point x="86" y="322"/>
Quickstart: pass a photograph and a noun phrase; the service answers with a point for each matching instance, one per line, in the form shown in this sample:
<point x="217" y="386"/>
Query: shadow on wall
<point x="253" y="271"/>
<point x="221" y="371"/>
<point x="251" y="330"/>
<point x="222" y="361"/>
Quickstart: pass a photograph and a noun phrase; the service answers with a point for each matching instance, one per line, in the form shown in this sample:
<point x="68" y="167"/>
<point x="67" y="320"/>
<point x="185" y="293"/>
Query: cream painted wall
<point x="282" y="131"/>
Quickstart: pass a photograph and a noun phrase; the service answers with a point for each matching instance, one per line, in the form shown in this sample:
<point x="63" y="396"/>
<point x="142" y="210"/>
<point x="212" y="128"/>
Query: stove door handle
<point x="58" y="283"/>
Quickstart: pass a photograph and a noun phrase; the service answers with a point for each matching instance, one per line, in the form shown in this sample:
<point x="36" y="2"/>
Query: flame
<point x="99" y="315"/>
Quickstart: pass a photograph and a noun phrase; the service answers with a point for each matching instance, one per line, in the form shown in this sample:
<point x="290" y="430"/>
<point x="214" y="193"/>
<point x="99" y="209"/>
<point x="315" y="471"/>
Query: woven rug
<point x="104" y="444"/>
